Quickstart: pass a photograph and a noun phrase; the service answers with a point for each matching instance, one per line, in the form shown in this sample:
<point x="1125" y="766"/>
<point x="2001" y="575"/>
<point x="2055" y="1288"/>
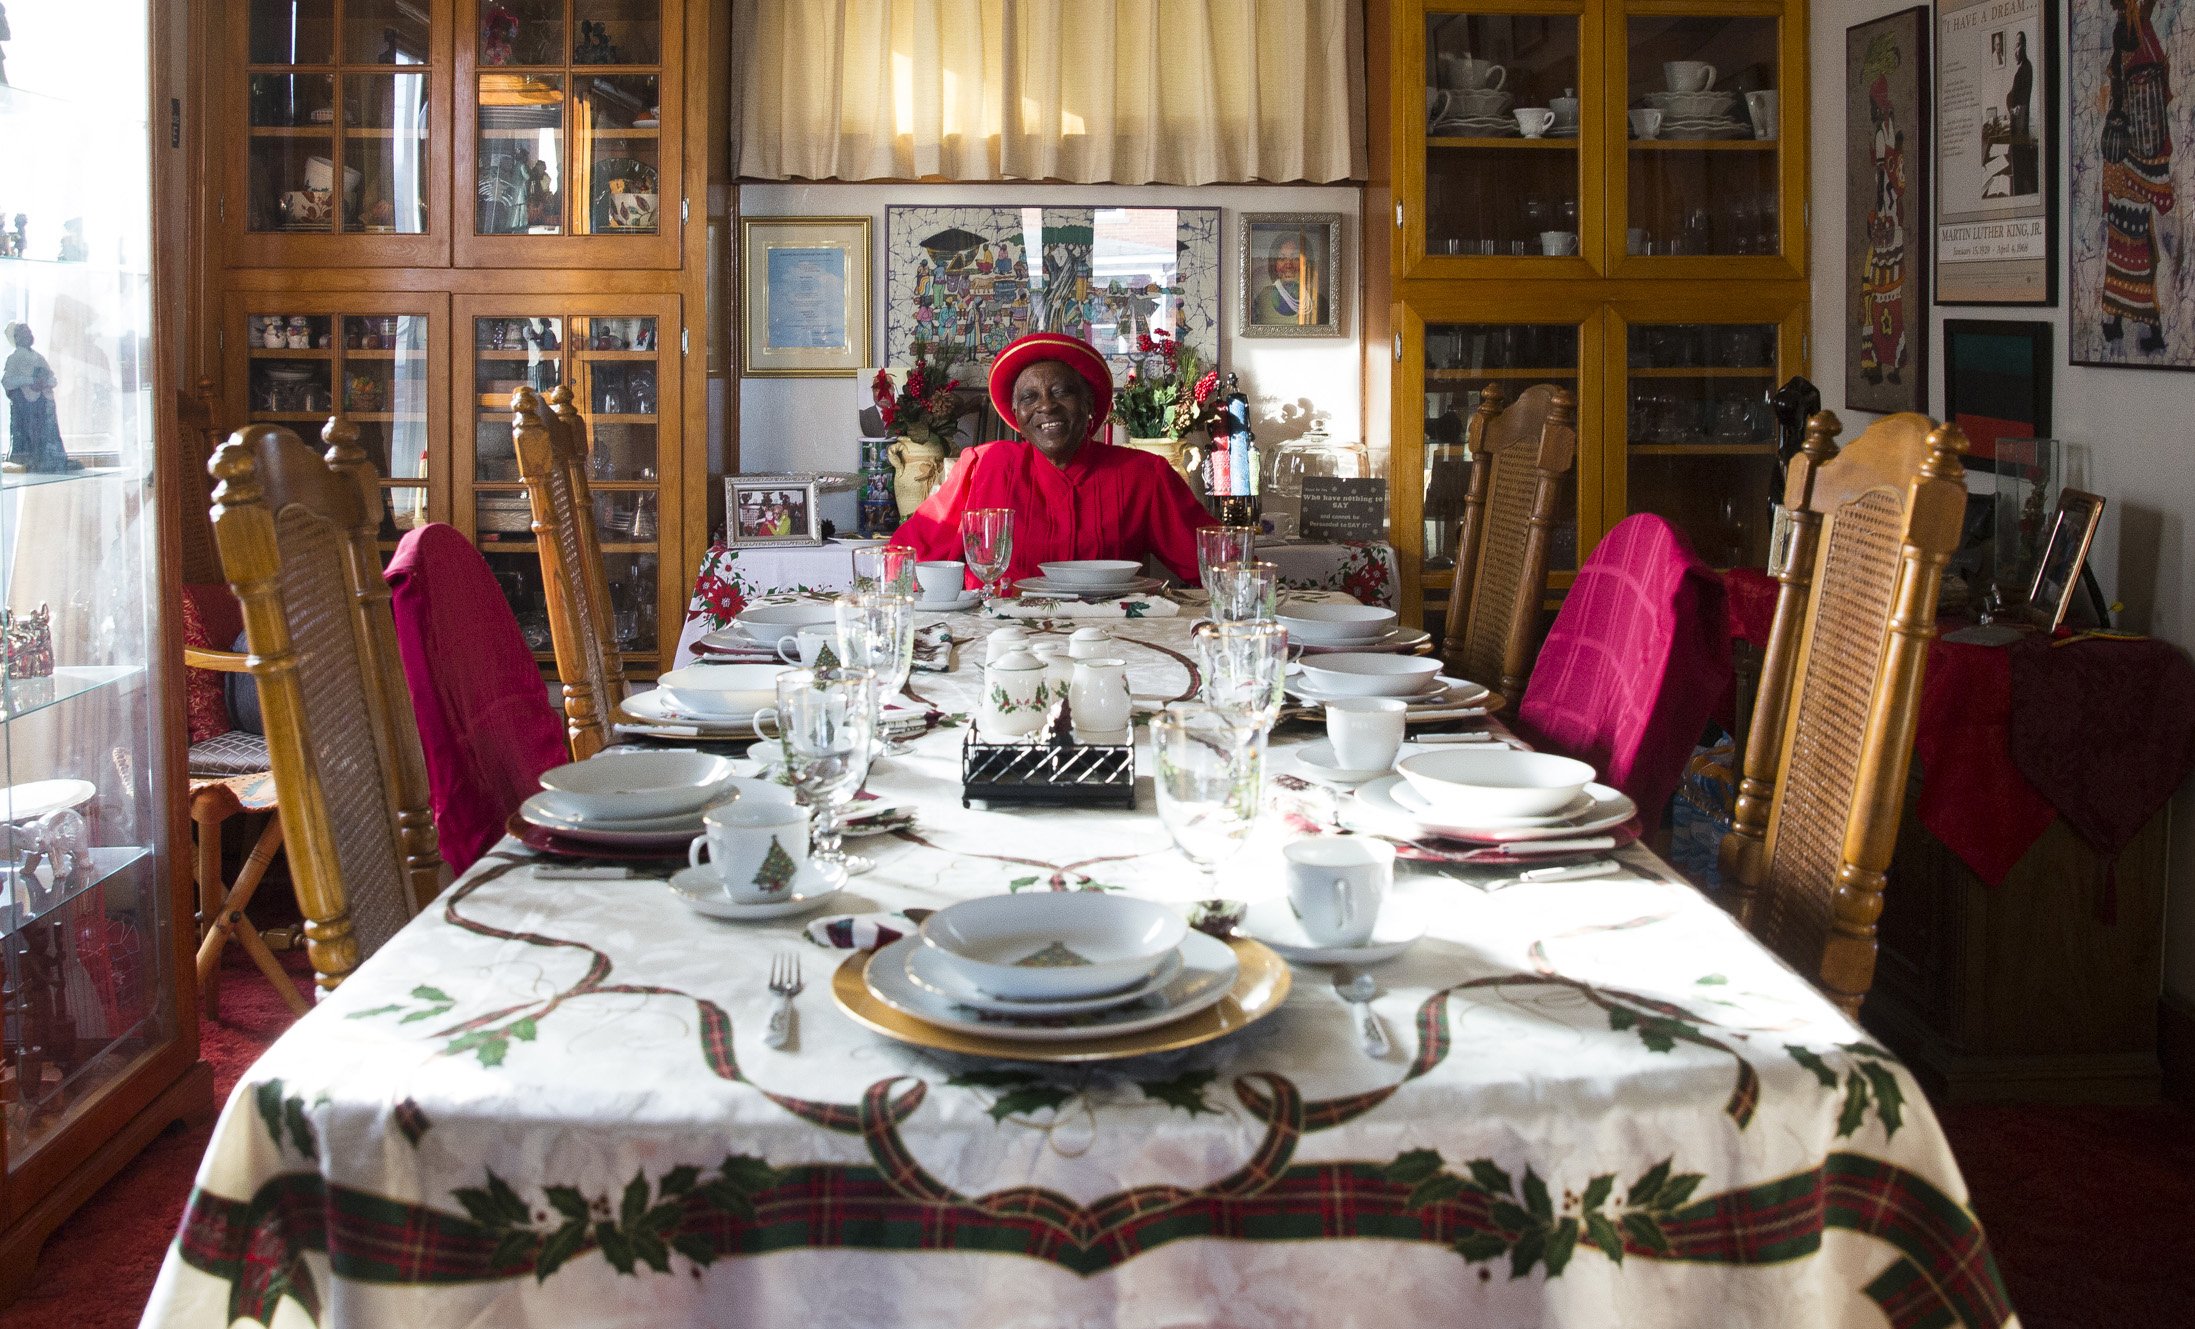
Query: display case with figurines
<point x="96" y="1051"/>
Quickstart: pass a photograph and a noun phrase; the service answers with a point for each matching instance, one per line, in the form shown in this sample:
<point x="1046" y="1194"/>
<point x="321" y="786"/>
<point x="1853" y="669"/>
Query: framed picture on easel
<point x="2072" y="530"/>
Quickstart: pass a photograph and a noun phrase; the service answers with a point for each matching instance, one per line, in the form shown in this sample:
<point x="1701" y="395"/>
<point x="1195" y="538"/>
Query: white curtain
<point x="1184" y="92"/>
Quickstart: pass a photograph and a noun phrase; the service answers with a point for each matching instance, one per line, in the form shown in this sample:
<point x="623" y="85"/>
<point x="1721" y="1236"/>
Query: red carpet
<point x="2085" y="1206"/>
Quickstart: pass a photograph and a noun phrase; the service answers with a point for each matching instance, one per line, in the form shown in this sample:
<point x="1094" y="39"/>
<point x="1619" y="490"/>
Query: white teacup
<point x="1365" y="732"/>
<point x="1462" y="71"/>
<point x="1533" y="121"/>
<point x="804" y="646"/>
<point x="1688" y="75"/>
<point x="941" y="580"/>
<point x="1646" y="123"/>
<point x="1762" y="107"/>
<point x="1557" y="244"/>
<point x="1438" y="101"/>
<point x="756" y="847"/>
<point x="1336" y="885"/>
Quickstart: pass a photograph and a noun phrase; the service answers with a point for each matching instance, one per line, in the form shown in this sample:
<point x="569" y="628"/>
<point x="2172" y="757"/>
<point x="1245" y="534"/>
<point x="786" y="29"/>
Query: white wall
<point x="2137" y="427"/>
<point x="788" y="424"/>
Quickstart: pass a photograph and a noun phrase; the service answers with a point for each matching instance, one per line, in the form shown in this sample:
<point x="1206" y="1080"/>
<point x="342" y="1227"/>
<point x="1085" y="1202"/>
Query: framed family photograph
<point x="805" y="293"/>
<point x="771" y="510"/>
<point x="2072" y="531"/>
<point x="1996" y="384"/>
<point x="1288" y="267"/>
<point x="2133" y="301"/>
<point x="1886" y="212"/>
<point x="1996" y="152"/>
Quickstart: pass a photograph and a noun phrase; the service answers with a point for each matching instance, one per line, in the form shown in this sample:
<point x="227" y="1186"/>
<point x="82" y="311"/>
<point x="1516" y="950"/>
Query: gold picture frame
<point x="1276" y="302"/>
<point x="804" y="296"/>
<point x="2072" y="529"/>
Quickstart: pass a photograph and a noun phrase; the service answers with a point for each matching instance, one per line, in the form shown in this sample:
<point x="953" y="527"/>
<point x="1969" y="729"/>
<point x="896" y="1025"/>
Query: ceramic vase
<point x="919" y="468"/>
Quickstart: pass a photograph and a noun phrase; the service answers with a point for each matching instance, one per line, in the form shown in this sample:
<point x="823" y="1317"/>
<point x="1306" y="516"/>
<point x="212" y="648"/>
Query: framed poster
<point x="1886" y="212"/>
<point x="804" y="296"/>
<point x="1996" y="152"/>
<point x="1996" y="384"/>
<point x="978" y="277"/>
<point x="2133" y="302"/>
<point x="1289" y="274"/>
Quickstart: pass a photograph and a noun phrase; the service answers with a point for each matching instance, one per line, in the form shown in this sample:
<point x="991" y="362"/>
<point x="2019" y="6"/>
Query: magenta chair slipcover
<point x="1637" y="662"/>
<point x="485" y="723"/>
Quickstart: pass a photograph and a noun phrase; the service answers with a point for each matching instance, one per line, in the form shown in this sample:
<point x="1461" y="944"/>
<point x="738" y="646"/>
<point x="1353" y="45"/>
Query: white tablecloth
<point x="548" y="1103"/>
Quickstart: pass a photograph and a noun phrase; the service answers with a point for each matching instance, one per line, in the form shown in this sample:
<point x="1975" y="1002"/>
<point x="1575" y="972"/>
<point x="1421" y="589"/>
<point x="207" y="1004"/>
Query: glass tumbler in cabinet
<point x="1701" y="435"/>
<point x="1461" y="361"/>
<point x="1502" y="173"/>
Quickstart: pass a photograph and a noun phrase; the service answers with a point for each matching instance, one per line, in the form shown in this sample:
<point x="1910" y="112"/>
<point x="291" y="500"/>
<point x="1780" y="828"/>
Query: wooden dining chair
<point x="228" y="773"/>
<point x="1823" y="785"/>
<point x="552" y="458"/>
<point x="1519" y="454"/>
<point x="297" y="536"/>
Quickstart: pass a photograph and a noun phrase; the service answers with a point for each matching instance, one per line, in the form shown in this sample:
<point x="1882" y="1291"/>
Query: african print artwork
<point x="1886" y="61"/>
<point x="2130" y="284"/>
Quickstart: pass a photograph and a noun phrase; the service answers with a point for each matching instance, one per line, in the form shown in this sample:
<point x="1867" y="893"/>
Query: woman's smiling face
<point x="1053" y="405"/>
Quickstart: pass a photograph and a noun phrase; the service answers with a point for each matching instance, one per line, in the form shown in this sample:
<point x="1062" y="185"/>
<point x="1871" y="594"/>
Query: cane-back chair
<point x="1823" y="787"/>
<point x="297" y="536"/>
<point x="1519" y="453"/>
<point x="229" y="774"/>
<point x="552" y="457"/>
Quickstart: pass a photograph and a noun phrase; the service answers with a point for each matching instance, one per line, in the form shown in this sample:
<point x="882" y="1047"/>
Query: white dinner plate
<point x="703" y="892"/>
<point x="927" y="968"/>
<point x="23" y="802"/>
<point x="1207" y="974"/>
<point x="1440" y="691"/>
<point x="1611" y="808"/>
<point x="654" y="708"/>
<point x="548" y="810"/>
<point x="1413" y="801"/>
<point x="969" y="599"/>
<point x="1116" y="591"/>
<point x="1317" y="757"/>
<point x="1395" y="641"/>
<point x="1274" y="922"/>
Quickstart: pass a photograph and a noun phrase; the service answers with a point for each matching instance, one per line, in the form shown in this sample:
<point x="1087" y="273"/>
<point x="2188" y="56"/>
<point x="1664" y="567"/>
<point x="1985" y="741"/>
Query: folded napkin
<point x="1043" y="606"/>
<point x="862" y="932"/>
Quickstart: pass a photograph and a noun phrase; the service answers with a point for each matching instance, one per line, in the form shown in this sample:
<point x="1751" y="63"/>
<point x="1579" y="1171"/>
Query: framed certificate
<point x="804" y="296"/>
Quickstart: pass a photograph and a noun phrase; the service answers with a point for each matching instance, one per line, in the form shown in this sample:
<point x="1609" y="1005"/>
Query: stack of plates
<point x="1490" y="795"/>
<point x="1090" y="579"/>
<point x="630" y="804"/>
<point x="1060" y="976"/>
<point x="1699" y="115"/>
<point x="1475" y="126"/>
<point x="1322" y="628"/>
<point x="715" y="701"/>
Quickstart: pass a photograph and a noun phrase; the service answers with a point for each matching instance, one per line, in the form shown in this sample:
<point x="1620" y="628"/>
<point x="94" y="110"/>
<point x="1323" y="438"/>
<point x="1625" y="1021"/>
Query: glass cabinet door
<point x="1703" y="173"/>
<point x="618" y="372"/>
<point x="1700" y="434"/>
<point x="338" y="162"/>
<point x="569" y="104"/>
<point x="1502" y="126"/>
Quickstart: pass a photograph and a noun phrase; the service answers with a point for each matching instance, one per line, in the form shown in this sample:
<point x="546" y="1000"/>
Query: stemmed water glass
<point x="1244" y="665"/>
<point x="987" y="540"/>
<point x="1243" y="592"/>
<point x="889" y="567"/>
<point x="1223" y="544"/>
<point x="825" y="718"/>
<point x="1210" y="783"/>
<point x="876" y="632"/>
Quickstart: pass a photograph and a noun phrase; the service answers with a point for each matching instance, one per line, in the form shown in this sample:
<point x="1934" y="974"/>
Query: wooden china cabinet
<point x="423" y="203"/>
<point x="1658" y="269"/>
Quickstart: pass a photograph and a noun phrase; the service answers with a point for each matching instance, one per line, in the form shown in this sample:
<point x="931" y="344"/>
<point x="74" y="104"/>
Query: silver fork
<point x="784" y="1027"/>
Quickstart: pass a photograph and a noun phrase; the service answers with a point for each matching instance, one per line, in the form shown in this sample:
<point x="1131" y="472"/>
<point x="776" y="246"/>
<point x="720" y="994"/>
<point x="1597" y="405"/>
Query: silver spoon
<point x="1358" y="990"/>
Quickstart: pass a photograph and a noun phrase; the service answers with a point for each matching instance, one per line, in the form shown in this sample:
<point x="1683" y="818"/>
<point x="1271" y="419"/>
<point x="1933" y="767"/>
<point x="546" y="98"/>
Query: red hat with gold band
<point x="1073" y="352"/>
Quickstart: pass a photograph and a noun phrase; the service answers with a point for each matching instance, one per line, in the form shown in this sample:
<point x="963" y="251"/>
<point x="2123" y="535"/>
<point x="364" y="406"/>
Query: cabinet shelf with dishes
<point x="1605" y="195"/>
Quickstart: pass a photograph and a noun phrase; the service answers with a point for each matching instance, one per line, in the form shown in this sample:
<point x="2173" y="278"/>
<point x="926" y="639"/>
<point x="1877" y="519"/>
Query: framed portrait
<point x="772" y="510"/>
<point x="975" y="278"/>
<point x="1996" y="161"/>
<point x="1288" y="274"/>
<point x="1886" y="212"/>
<point x="805" y="296"/>
<point x="2072" y="530"/>
<point x="2133" y="301"/>
<point x="1996" y="384"/>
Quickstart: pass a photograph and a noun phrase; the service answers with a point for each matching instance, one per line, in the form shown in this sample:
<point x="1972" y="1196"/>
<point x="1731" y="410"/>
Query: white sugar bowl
<point x="1016" y="696"/>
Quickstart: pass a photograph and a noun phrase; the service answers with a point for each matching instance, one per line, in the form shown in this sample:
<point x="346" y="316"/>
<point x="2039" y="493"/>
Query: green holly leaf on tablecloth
<point x="1561" y="1243"/>
<point x="1602" y="1233"/>
<point x="1184" y="1091"/>
<point x="1477" y="1246"/>
<point x="1854" y="1113"/>
<point x="1490" y="1178"/>
<point x="1019" y="884"/>
<point x="1028" y="1099"/>
<point x="1414" y="1166"/>
<point x="1536" y="1200"/>
<point x="1434" y="1189"/>
<point x="1805" y="1057"/>
<point x="567" y="1201"/>
<point x="559" y="1247"/>
<point x="1889" y="1098"/>
<point x="1526" y="1253"/>
<point x="616" y="1248"/>
<point x="267" y="1098"/>
<point x="1596" y="1191"/>
<point x="1646" y="1231"/>
<point x="1648" y="1186"/>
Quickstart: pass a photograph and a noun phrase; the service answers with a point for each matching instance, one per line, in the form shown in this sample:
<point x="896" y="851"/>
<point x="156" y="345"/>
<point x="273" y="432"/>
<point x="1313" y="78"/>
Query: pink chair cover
<point x="1638" y="660"/>
<point x="485" y="723"/>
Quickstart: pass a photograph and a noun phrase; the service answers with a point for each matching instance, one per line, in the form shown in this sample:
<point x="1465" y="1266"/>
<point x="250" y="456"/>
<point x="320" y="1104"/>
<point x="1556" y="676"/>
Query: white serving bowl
<point x="767" y="623"/>
<point x="1054" y="945"/>
<point x="1499" y="782"/>
<point x="632" y="785"/>
<point x="1336" y="624"/>
<point x="1351" y="674"/>
<point x="720" y="691"/>
<point x="1093" y="572"/>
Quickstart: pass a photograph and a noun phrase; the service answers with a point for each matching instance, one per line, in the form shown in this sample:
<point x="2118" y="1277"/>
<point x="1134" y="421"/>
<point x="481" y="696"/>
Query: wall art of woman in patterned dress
<point x="2137" y="175"/>
<point x="1882" y="287"/>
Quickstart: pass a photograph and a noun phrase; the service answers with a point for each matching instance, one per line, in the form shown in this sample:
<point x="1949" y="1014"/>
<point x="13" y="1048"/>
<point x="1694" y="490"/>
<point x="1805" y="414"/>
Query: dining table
<point x="549" y="1101"/>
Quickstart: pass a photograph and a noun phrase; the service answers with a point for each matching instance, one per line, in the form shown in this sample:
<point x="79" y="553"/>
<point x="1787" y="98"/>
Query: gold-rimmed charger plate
<point x="1261" y="985"/>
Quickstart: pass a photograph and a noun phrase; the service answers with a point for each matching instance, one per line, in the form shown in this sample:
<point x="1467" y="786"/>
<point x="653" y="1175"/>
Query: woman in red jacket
<point x="1073" y="495"/>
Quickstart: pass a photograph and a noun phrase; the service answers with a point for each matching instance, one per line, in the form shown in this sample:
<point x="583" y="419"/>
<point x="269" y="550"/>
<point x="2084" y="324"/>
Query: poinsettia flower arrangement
<point x="1165" y="396"/>
<point x="926" y="405"/>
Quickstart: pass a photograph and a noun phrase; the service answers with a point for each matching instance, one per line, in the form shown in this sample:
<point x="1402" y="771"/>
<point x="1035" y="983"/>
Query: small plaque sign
<point x="1335" y="508"/>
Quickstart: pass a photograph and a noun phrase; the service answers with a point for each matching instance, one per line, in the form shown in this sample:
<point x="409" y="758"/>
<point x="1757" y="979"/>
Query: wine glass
<point x="1244" y="665"/>
<point x="1210" y="783"/>
<point x="1244" y="591"/>
<point x="1223" y="544"/>
<point x="876" y="632"/>
<point x="891" y="567"/>
<point x="987" y="541"/>
<point x="824" y="718"/>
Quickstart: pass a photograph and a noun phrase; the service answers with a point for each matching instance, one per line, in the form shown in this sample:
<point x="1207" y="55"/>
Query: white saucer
<point x="928" y="968"/>
<point x="1611" y="808"/>
<point x="1318" y="758"/>
<point x="968" y="600"/>
<point x="1207" y="974"/>
<point x="1417" y="805"/>
<point x="1120" y="590"/>
<point x="651" y="708"/>
<point x="703" y="892"/>
<point x="547" y="810"/>
<point x="1274" y="923"/>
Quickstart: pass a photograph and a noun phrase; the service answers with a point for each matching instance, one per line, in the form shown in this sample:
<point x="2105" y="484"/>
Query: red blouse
<point x="1108" y="502"/>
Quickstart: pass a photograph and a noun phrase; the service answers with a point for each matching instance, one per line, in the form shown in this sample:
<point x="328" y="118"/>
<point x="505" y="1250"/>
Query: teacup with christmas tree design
<point x="757" y="849"/>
